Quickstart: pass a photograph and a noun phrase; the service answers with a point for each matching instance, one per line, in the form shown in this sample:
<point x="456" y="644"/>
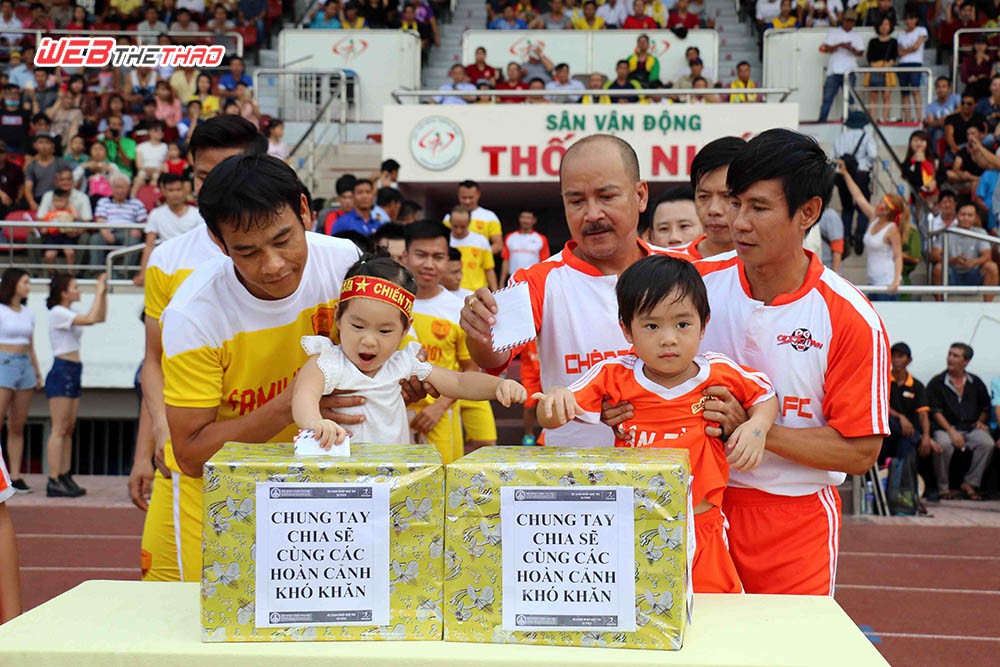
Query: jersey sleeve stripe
<point x="760" y="379"/>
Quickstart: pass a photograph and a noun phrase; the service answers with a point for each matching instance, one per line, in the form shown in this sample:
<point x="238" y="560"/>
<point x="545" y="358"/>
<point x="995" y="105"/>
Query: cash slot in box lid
<point x="348" y="548"/>
<point x="542" y="525"/>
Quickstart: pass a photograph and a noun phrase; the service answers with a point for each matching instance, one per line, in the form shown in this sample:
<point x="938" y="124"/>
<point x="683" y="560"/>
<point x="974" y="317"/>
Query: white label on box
<point x="568" y="558"/>
<point x="322" y="554"/>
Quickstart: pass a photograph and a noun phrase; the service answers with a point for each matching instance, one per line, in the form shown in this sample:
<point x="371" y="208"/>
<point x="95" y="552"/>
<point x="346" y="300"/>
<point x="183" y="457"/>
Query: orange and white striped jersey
<point x="6" y="490"/>
<point x="672" y="417"/>
<point x="688" y="251"/>
<point x="575" y="311"/>
<point x="522" y="249"/>
<point x="825" y="350"/>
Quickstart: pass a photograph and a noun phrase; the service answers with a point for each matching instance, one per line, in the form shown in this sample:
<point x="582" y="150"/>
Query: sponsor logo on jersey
<point x="801" y="339"/>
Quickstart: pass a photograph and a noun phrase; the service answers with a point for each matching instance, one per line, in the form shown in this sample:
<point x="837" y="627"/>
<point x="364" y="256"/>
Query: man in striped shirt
<point x="117" y="209"/>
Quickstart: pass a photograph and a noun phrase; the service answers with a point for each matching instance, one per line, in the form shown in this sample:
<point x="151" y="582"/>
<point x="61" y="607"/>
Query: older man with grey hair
<point x="117" y="209"/>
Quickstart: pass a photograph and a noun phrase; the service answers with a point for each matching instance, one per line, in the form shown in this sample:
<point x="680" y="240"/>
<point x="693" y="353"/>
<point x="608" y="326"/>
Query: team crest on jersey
<point x="699" y="406"/>
<point x="440" y="329"/>
<point x="322" y="321"/>
<point x="801" y="339"/>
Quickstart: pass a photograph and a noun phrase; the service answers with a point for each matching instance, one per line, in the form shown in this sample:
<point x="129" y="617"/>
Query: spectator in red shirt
<point x="681" y="18"/>
<point x="638" y="20"/>
<point x="480" y="71"/>
<point x="513" y="82"/>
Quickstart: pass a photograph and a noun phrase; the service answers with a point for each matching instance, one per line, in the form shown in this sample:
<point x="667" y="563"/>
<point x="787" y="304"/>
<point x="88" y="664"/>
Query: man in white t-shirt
<point x="150" y="158"/>
<point x="948" y="206"/>
<point x="168" y="221"/>
<point x="484" y="221"/>
<point x="844" y="46"/>
<point x="524" y="247"/>
<point x="614" y="13"/>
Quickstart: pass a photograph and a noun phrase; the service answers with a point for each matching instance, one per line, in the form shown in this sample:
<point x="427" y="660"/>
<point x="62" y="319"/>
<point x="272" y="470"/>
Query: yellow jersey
<point x="482" y="221"/>
<point x="477" y="259"/>
<point x="172" y="262"/>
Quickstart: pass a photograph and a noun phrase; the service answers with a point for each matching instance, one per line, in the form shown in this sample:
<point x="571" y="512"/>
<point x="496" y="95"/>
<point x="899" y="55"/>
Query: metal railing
<point x="400" y="95"/>
<point x="208" y="35"/>
<point x="946" y="256"/>
<point x="114" y="251"/>
<point x="851" y="87"/>
<point x="956" y="49"/>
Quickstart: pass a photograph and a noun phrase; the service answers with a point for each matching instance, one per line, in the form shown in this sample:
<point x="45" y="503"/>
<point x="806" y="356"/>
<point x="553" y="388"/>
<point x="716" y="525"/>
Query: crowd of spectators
<point x="94" y="145"/>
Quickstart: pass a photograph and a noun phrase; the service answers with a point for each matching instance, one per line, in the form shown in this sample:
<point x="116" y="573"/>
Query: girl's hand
<point x="328" y="432"/>
<point x="559" y="403"/>
<point x="894" y="286"/>
<point x="511" y="391"/>
<point x="745" y="447"/>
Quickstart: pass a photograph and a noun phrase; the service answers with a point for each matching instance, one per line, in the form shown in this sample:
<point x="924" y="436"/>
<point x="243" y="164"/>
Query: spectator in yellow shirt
<point x="590" y="20"/>
<point x="785" y="18"/>
<point x="744" y="82"/>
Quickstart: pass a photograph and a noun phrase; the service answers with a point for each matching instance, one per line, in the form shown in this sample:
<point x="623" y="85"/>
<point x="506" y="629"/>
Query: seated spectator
<point x="190" y="120"/>
<point x="537" y="84"/>
<point x="966" y="18"/>
<point x="168" y="106"/>
<point x="537" y="66"/>
<point x="141" y="85"/>
<point x="909" y="416"/>
<point x="508" y="20"/>
<point x="15" y="120"/>
<point x="95" y="174"/>
<point x="377" y="14"/>
<point x="116" y="107"/>
<point x="701" y="83"/>
<point x="946" y="217"/>
<point x="344" y="187"/>
<point x="43" y="93"/>
<point x="785" y="19"/>
<point x="152" y="24"/>
<point x="623" y="82"/>
<point x="697" y="71"/>
<point x="184" y="84"/>
<point x="116" y="209"/>
<point x="351" y="18"/>
<point x="78" y="200"/>
<point x="682" y="18"/>
<point x="40" y="173"/>
<point x="590" y="19"/>
<point x="458" y="84"/>
<point x="80" y="21"/>
<point x="614" y="13"/>
<point x="150" y="159"/>
<point x="596" y="81"/>
<point x="977" y="67"/>
<point x="361" y="218"/>
<point x="956" y="125"/>
<point x="173" y="218"/>
<point x="61" y="13"/>
<point x="820" y="14"/>
<point x="744" y="82"/>
<point x="643" y="66"/>
<point x="638" y="19"/>
<point x="919" y="169"/>
<point x="674" y="219"/>
<point x="525" y="11"/>
<point x="236" y="74"/>
<point x="60" y="211"/>
<point x="120" y="149"/>
<point x="328" y="19"/>
<point x="39" y="20"/>
<point x="76" y="154"/>
<point x="210" y="104"/>
<point x="19" y="72"/>
<point x="481" y="70"/>
<point x="66" y="119"/>
<point x="969" y="260"/>
<point x="184" y="22"/>
<point x="221" y="26"/>
<point x="963" y="175"/>
<point x="557" y="18"/>
<point x="882" y="52"/>
<point x="564" y="82"/>
<point x="882" y="10"/>
<point x="8" y="21"/>
<point x="960" y="405"/>
<point x="514" y="81"/>
<point x="989" y="108"/>
<point x="943" y="105"/>
<point x="276" y="144"/>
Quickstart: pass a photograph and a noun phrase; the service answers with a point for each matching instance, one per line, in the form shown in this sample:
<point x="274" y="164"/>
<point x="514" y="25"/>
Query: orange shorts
<point x="531" y="373"/>
<point x="784" y="545"/>
<point x="713" y="570"/>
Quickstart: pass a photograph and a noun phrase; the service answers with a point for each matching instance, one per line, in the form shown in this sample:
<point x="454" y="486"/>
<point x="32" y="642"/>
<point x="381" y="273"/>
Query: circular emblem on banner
<point x="436" y="143"/>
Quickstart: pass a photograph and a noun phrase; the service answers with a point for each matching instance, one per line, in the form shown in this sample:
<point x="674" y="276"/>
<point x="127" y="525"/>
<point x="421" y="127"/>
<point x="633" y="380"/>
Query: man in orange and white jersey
<point x="524" y="247"/>
<point x="10" y="579"/>
<point x="775" y="308"/>
<point x="711" y="200"/>
<point x="573" y="292"/>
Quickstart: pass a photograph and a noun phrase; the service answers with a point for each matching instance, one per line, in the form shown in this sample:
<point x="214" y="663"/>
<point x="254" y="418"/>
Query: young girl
<point x="275" y="132"/>
<point x="373" y="315"/>
<point x="210" y="104"/>
<point x="663" y="309"/>
<point x="62" y="384"/>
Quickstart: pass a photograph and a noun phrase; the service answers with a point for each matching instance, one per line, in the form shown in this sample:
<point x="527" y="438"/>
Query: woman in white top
<point x="911" y="54"/>
<point x="890" y="223"/>
<point x="62" y="384"/>
<point x="19" y="375"/>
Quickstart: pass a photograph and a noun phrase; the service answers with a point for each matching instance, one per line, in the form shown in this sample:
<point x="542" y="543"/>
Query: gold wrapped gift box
<point x="416" y="478"/>
<point x="473" y="574"/>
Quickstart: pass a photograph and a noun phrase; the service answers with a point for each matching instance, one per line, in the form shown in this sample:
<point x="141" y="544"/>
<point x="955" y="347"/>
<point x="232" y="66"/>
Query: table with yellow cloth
<point x="110" y="623"/>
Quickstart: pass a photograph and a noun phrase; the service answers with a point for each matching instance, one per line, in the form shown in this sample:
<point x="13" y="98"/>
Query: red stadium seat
<point x="16" y="159"/>
<point x="149" y="195"/>
<point x="17" y="234"/>
<point x="249" y="33"/>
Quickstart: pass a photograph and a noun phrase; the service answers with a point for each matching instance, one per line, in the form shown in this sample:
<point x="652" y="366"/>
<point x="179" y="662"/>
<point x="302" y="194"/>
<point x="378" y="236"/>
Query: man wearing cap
<point x="844" y="46"/>
<point x="40" y="174"/>
<point x="697" y="66"/>
<point x="564" y="82"/>
<point x="909" y="413"/>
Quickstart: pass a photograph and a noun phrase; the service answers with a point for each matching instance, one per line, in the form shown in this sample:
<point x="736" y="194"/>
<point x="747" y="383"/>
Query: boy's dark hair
<point x="40" y="117"/>
<point x="377" y="266"/>
<point x="713" y="155"/>
<point x="365" y="244"/>
<point x="389" y="165"/>
<point x="657" y="277"/>
<point x="795" y="159"/>
<point x="59" y="192"/>
<point x="167" y="178"/>
<point x="387" y="196"/>
<point x="345" y="184"/>
<point x="249" y="190"/>
<point x="427" y="229"/>
<point x="964" y="348"/>
<point x="389" y="230"/>
<point x="454" y="254"/>
<point x="227" y="132"/>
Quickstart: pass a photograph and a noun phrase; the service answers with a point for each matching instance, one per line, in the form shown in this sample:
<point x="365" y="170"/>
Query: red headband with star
<point x="379" y="289"/>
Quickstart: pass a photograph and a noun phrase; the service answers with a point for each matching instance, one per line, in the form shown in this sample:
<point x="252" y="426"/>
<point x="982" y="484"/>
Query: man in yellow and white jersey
<point x="435" y="322"/>
<point x="483" y="221"/>
<point x="231" y="332"/>
<point x="477" y="257"/>
<point x="169" y="266"/>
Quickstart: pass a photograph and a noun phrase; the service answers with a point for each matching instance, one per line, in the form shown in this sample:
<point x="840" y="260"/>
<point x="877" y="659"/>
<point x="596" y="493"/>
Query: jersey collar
<point x="812" y="279"/>
<point x="670" y="393"/>
<point x="574" y="262"/>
